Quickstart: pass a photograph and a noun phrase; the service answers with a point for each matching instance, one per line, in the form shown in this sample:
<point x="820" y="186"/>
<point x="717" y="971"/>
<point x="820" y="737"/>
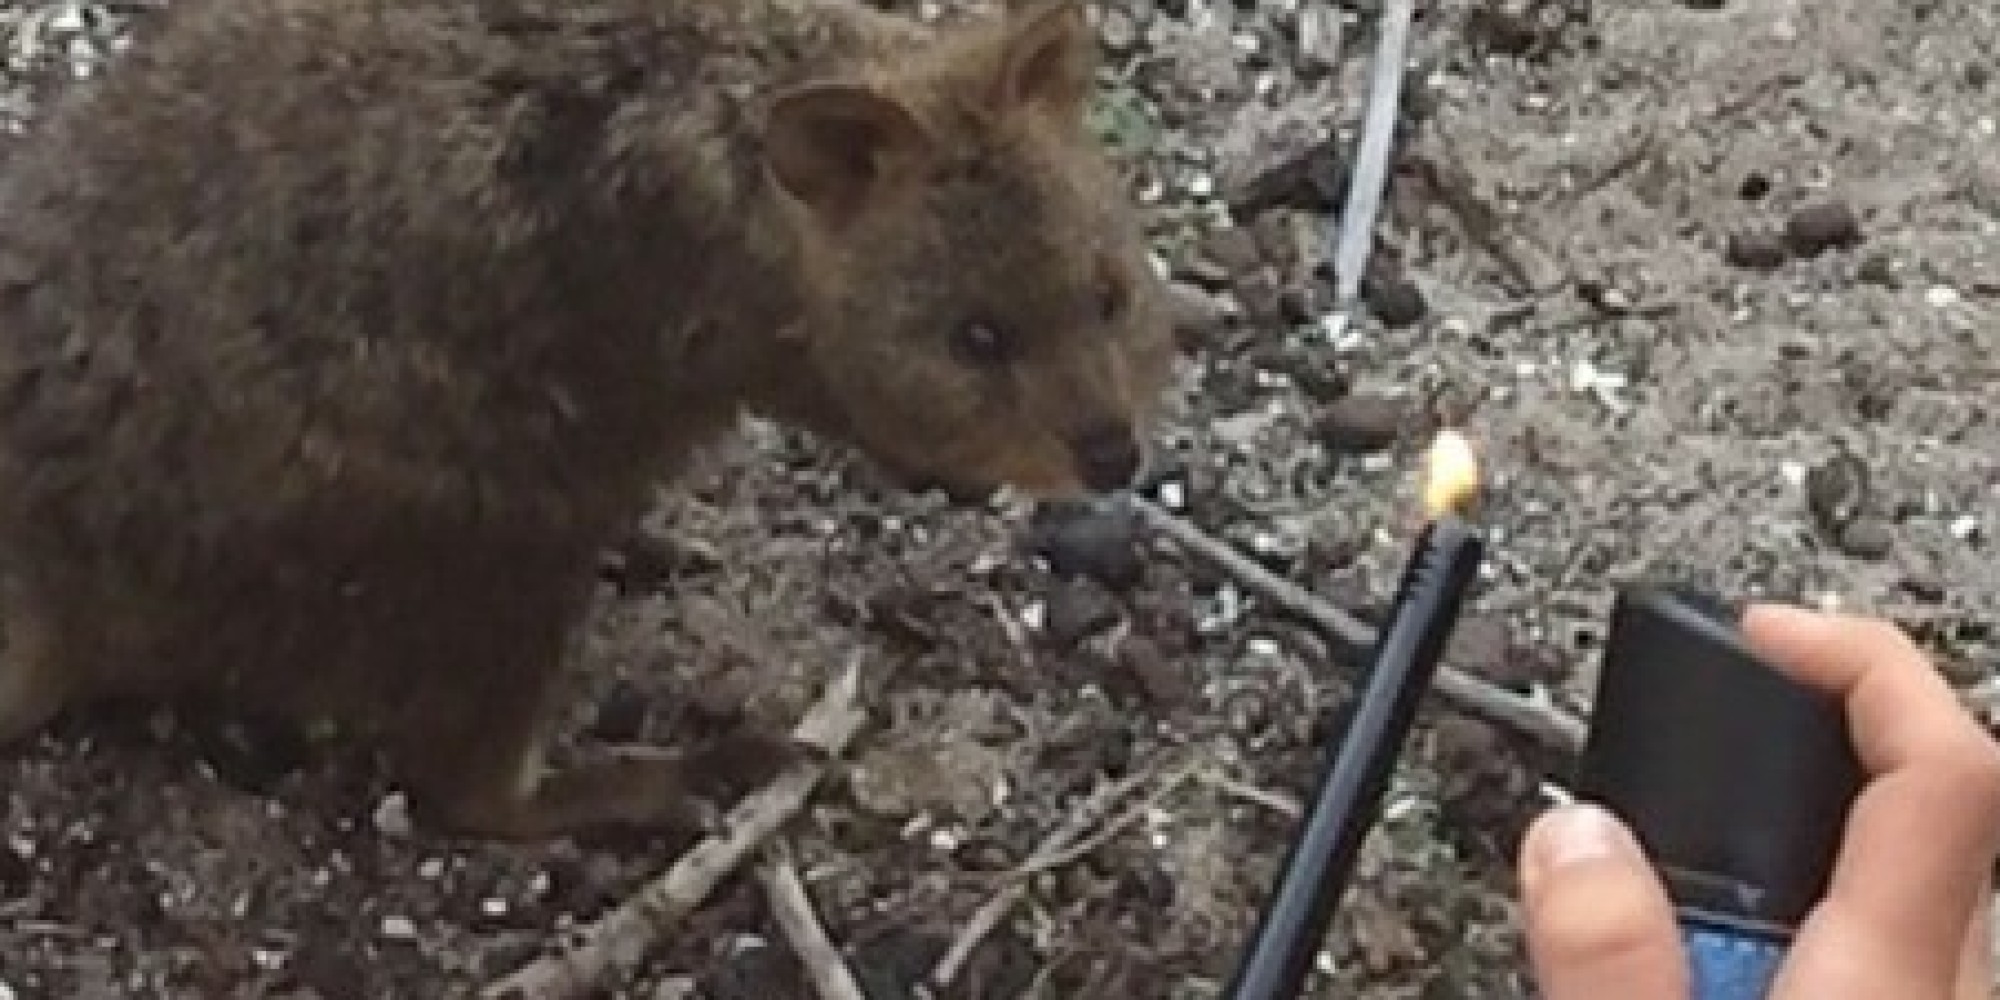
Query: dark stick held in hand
<point x="1343" y="810"/>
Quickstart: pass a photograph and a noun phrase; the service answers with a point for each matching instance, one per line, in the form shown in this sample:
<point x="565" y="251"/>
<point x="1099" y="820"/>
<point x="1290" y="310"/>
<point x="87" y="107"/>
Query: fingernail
<point x="1723" y="609"/>
<point x="1580" y="833"/>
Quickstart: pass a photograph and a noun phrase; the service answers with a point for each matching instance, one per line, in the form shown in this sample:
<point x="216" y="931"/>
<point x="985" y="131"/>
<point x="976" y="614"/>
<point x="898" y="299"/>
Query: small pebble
<point x="1315" y="372"/>
<point x="1100" y="541"/>
<point x="1928" y="589"/>
<point x="1163" y="680"/>
<point x="1820" y="227"/>
<point x="1164" y="481"/>
<point x="1485" y="645"/>
<point x="1754" y="250"/>
<point x="1878" y="269"/>
<point x="1394" y="300"/>
<point x="945" y="840"/>
<point x="752" y="969"/>
<point x="1867" y="538"/>
<point x="1297" y="305"/>
<point x="1964" y="671"/>
<point x="1035" y="616"/>
<point x="1941" y="296"/>
<point x="677" y="988"/>
<point x="1312" y="179"/>
<point x="1232" y="249"/>
<point x="1363" y="423"/>
<point x="1077" y="610"/>
<point x="1260" y="300"/>
<point x="1603" y="296"/>
<point x="1319" y="38"/>
<point x="1836" y="491"/>
<point x="621" y="714"/>
<point x="1874" y="403"/>
<point x="1506" y="28"/>
<point x="887" y="962"/>
<point x="1118" y="30"/>
<point x="1467" y="742"/>
<point x="392" y="816"/>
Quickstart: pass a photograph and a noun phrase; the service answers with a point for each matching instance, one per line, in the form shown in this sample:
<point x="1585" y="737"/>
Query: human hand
<point x="1907" y="913"/>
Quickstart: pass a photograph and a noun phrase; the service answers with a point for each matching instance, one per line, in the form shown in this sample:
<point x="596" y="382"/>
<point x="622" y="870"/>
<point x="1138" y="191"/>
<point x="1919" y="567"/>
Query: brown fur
<point x="337" y="336"/>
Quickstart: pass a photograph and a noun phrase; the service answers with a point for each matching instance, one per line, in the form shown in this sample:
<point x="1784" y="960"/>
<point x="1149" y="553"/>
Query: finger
<point x="1598" y="920"/>
<point x="1899" y="708"/>
<point x="1841" y="954"/>
<point x="1975" y="969"/>
<point x="1921" y="838"/>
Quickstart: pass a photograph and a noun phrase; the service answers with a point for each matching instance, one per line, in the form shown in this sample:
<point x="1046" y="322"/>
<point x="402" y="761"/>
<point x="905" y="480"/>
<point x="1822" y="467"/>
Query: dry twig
<point x="1443" y="173"/>
<point x="793" y="910"/>
<point x="1278" y="802"/>
<point x="1545" y="723"/>
<point x="623" y="937"/>
<point x="1083" y="831"/>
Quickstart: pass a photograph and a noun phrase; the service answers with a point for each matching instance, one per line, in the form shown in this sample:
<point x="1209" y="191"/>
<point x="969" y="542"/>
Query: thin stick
<point x="1278" y="802"/>
<point x="1351" y="631"/>
<point x="1371" y="158"/>
<point x="622" y="938"/>
<point x="1347" y="798"/>
<point x="793" y="910"/>
<point x="1073" y="839"/>
<point x="1545" y="723"/>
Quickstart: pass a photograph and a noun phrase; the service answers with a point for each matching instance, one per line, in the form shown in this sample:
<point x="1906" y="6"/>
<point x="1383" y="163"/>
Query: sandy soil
<point x="1717" y="291"/>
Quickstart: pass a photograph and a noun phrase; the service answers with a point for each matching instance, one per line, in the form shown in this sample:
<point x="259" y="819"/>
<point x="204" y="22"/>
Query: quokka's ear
<point x="833" y="145"/>
<point x="1048" y="55"/>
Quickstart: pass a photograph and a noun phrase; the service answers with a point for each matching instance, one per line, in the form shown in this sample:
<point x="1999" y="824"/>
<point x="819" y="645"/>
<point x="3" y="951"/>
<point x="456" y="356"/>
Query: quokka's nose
<point x="1108" y="457"/>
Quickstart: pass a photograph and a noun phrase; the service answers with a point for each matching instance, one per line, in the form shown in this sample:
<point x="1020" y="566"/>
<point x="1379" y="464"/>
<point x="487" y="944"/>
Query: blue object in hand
<point x="1730" y="964"/>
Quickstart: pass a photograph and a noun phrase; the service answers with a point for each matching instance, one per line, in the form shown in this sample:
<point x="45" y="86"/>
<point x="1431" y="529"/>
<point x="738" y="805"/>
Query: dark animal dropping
<point x="1817" y="228"/>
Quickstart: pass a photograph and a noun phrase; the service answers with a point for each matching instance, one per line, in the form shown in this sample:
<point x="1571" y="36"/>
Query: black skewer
<point x="1344" y="807"/>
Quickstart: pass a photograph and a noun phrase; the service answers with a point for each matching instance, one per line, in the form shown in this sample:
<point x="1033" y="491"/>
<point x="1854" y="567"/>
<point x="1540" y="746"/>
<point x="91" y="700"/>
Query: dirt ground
<point x="1717" y="291"/>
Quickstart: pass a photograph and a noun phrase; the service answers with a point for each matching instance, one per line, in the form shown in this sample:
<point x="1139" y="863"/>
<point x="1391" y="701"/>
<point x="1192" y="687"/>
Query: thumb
<point x="1598" y="920"/>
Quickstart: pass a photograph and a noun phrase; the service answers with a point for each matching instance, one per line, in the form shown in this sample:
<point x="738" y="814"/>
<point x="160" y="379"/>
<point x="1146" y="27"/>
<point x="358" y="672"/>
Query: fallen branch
<point x="622" y="938"/>
<point x="793" y="910"/>
<point x="1083" y="831"/>
<point x="1546" y="723"/>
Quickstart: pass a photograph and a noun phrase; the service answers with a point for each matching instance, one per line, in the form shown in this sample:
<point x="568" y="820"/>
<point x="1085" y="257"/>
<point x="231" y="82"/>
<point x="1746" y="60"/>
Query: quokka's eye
<point x="983" y="343"/>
